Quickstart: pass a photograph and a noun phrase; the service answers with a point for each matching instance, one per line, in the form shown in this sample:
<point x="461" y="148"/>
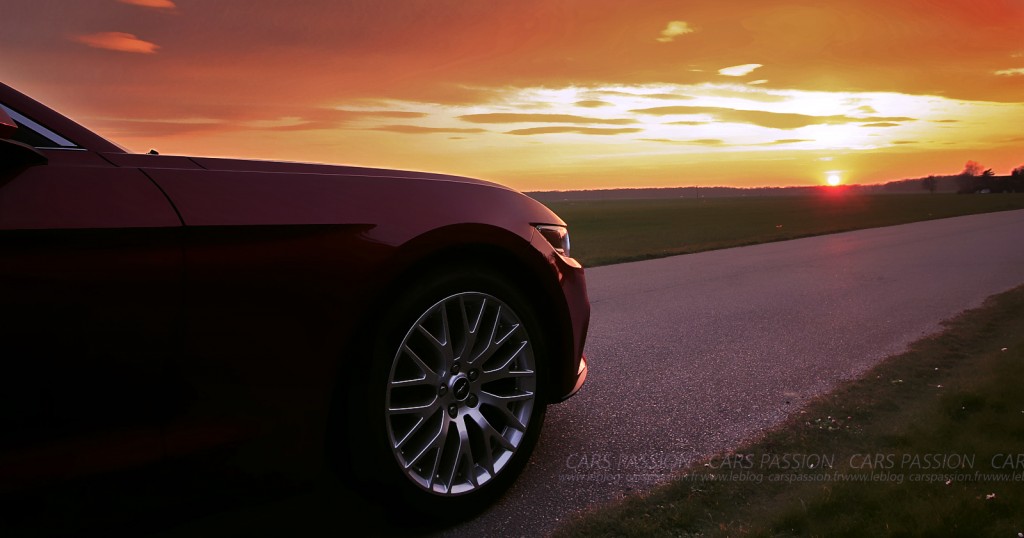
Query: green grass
<point x="956" y="393"/>
<point x="612" y="231"/>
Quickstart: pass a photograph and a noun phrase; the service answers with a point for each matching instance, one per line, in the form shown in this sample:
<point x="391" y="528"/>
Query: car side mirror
<point x="14" y="154"/>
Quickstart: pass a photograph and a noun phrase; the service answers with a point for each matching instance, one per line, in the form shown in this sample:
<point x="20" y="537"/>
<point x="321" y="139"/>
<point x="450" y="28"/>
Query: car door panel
<point x="90" y="288"/>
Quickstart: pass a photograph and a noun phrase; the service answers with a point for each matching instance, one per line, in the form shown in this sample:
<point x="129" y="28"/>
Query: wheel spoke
<point x="490" y="348"/>
<point x="444" y="343"/>
<point x="448" y="442"/>
<point x="435" y="467"/>
<point x="433" y="444"/>
<point x="463" y="458"/>
<point x="428" y="373"/>
<point x="446" y="332"/>
<point x="495" y="375"/>
<point x="495" y="342"/>
<point x="510" y="332"/>
<point x="488" y="432"/>
<point x="506" y="367"/>
<point x="470" y="328"/>
<point x="404" y="383"/>
<point x="418" y="410"/>
<point x="488" y="453"/>
<point x="501" y="404"/>
<point x="512" y="398"/>
<point x="415" y="428"/>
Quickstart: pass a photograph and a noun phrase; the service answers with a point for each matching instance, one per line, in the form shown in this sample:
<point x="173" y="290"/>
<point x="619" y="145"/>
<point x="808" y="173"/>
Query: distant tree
<point x="1015" y="183"/>
<point x="988" y="173"/>
<point x="930" y="183"/>
<point x="972" y="169"/>
<point x="966" y="184"/>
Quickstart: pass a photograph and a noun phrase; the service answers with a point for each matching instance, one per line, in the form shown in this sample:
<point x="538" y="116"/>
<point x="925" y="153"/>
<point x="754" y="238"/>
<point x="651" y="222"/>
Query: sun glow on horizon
<point x="607" y="136"/>
<point x="552" y="137"/>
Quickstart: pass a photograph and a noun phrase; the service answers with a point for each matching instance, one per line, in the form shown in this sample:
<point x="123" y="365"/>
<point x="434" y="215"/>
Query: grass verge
<point x="929" y="443"/>
<point x="614" y="231"/>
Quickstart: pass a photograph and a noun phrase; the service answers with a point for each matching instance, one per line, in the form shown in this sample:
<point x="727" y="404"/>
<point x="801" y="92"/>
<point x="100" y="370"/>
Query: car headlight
<point x="558" y="236"/>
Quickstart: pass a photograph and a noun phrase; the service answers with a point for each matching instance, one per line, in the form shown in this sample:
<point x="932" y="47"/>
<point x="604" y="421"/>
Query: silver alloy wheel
<point x="460" y="393"/>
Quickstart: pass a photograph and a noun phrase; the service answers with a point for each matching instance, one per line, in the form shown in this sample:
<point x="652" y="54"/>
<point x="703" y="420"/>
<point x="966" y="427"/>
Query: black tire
<point x="458" y="450"/>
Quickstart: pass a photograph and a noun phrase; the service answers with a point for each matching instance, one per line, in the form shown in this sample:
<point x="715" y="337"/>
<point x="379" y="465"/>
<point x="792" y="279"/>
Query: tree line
<point x="975" y="178"/>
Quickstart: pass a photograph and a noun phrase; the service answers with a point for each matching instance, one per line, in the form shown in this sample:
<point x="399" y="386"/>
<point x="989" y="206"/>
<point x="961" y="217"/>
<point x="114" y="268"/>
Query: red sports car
<point x="404" y="329"/>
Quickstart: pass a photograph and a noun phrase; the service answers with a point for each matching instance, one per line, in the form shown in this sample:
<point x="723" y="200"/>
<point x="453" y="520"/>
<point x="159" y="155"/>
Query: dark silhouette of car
<point x="403" y="329"/>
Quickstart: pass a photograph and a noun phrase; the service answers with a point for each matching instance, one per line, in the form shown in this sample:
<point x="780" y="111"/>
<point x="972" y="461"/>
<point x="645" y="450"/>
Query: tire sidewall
<point x="374" y="463"/>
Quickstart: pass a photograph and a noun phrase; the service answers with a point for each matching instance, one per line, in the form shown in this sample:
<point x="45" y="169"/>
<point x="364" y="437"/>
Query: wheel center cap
<point x="460" y="388"/>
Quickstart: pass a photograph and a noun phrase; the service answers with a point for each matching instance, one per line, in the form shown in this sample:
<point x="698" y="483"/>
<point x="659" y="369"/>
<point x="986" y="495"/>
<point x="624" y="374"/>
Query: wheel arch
<point x="494" y="249"/>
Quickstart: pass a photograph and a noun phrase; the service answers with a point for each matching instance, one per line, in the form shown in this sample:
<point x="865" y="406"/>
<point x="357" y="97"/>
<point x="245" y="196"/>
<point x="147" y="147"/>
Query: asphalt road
<point x="694" y="354"/>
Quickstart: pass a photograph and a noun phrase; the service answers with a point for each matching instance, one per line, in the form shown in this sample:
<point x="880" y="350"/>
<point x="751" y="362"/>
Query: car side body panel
<point x="315" y="251"/>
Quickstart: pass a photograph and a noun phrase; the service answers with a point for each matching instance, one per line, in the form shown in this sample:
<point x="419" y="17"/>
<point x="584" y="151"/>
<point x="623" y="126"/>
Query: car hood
<point x="280" y="167"/>
<point x="219" y="192"/>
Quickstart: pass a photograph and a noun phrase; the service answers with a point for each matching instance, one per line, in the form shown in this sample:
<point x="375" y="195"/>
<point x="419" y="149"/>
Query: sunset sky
<point x="543" y="94"/>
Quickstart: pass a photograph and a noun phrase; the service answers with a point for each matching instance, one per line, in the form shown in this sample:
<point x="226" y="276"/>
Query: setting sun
<point x="833" y="180"/>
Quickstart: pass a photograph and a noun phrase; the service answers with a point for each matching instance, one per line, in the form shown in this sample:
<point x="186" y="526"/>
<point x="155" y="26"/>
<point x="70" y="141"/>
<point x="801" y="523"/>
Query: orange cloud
<point x="738" y="70"/>
<point x="507" y="117"/>
<point x="698" y="142"/>
<point x="381" y="114"/>
<point x="119" y="41"/>
<point x="749" y="95"/>
<point x="674" y="30"/>
<point x="209" y="119"/>
<point x="719" y="142"/>
<point x="668" y="96"/>
<point x="785" y="141"/>
<point x="418" y="129"/>
<point x="159" y="4"/>
<point x="772" y="120"/>
<point x="570" y="129"/>
<point x="672" y="96"/>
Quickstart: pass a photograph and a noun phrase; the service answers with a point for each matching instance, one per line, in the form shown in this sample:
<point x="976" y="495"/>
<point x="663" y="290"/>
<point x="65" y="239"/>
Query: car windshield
<point x="33" y="134"/>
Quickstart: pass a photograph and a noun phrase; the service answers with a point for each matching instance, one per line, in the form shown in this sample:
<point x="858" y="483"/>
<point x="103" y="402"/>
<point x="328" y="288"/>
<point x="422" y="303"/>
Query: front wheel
<point x="459" y="394"/>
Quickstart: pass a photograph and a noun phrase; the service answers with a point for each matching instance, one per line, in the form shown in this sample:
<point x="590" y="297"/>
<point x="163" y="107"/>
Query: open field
<point x="928" y="443"/>
<point x="612" y="231"/>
